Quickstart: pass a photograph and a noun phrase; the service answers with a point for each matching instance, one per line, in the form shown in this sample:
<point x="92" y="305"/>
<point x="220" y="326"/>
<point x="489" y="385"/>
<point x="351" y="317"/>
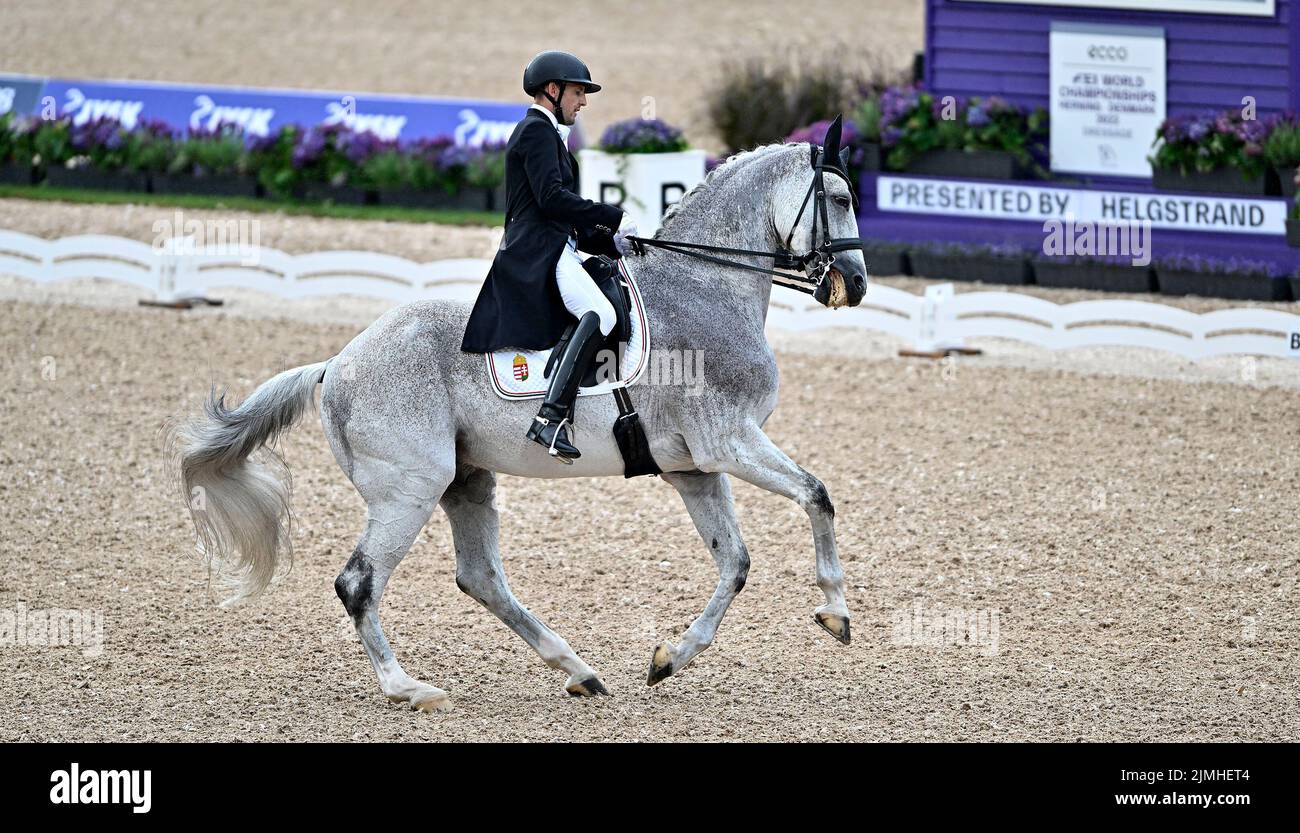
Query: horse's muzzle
<point x="840" y="290"/>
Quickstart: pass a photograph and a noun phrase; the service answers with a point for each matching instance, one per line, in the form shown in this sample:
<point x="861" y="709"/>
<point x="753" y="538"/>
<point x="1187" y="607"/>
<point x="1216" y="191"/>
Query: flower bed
<point x="987" y="138"/>
<point x="886" y="258"/>
<point x="642" y="136"/>
<point x="1105" y="274"/>
<point x="1005" y="264"/>
<point x="101" y="154"/>
<point x="210" y="162"/>
<point x="1238" y="279"/>
<point x="1214" y="152"/>
<point x="327" y="163"/>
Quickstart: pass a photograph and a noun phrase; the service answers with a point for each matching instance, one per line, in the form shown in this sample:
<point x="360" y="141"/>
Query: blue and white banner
<point x="260" y="112"/>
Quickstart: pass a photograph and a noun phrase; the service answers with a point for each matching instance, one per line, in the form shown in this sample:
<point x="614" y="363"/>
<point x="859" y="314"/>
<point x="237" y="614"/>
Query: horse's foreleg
<point x="757" y="460"/>
<point x="471" y="509"/>
<point x="708" y="500"/>
<point x="394" y="521"/>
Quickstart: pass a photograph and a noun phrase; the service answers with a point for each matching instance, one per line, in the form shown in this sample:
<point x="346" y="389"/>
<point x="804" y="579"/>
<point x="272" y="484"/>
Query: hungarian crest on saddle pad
<point x="520" y="374"/>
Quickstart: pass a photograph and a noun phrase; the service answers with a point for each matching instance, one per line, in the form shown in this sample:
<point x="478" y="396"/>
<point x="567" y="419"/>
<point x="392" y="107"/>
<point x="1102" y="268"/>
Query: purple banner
<point x="261" y="112"/>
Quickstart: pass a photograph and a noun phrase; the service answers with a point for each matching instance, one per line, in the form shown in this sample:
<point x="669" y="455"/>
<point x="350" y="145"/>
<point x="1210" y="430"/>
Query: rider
<point x="537" y="281"/>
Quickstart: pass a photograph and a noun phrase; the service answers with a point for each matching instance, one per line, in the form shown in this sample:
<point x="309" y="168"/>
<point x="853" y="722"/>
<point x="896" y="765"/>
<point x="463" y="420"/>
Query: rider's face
<point x="573" y="100"/>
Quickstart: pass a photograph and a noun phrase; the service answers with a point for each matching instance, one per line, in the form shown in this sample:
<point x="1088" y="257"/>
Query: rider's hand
<point x="626" y="229"/>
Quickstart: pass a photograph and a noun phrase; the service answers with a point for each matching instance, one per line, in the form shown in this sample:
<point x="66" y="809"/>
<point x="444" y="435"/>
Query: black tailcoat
<point x="520" y="305"/>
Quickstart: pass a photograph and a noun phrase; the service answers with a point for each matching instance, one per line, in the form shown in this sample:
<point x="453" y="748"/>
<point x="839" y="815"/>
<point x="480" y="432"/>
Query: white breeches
<point x="579" y="291"/>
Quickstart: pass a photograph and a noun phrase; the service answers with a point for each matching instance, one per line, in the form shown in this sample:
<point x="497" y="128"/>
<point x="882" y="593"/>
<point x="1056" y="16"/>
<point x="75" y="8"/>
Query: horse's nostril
<point x="860" y="283"/>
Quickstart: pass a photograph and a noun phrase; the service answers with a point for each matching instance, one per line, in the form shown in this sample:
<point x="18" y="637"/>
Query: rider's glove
<point x="626" y="229"/>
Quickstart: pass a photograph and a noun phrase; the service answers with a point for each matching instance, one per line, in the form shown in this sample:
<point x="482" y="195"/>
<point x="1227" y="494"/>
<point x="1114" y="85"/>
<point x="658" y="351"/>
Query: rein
<point x="814" y="266"/>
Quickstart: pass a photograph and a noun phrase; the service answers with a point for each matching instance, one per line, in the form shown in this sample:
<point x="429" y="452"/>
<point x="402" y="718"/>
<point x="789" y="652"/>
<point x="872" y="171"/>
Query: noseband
<point x="814" y="266"/>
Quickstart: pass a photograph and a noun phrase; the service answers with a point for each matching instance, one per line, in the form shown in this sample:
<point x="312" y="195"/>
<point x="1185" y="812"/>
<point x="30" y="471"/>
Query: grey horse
<point x="413" y="422"/>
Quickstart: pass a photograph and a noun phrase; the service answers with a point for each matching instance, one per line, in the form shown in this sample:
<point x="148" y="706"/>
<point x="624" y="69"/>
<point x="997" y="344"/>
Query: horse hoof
<point x="661" y="664"/>
<point x="589" y="687"/>
<point x="834" y="624"/>
<point x="430" y="703"/>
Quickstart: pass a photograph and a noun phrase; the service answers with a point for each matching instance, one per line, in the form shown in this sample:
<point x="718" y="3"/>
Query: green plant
<point x="8" y="138"/>
<point x="203" y="153"/>
<point x="867" y="118"/>
<point x="1205" y="142"/>
<point x="488" y="168"/>
<point x="1282" y="148"/>
<point x="270" y="159"/>
<point x="388" y="170"/>
<point x="52" y="143"/>
<point x="914" y="122"/>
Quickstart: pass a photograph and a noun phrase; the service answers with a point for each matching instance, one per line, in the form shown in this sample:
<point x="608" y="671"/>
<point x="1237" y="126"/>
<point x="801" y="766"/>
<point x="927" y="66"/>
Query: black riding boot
<point x="548" y="426"/>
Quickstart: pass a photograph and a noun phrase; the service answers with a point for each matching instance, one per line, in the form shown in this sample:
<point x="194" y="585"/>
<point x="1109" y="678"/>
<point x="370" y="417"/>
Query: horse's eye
<point x="842" y="202"/>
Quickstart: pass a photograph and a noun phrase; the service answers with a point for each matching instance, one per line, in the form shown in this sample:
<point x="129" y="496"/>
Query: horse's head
<point x="814" y="217"/>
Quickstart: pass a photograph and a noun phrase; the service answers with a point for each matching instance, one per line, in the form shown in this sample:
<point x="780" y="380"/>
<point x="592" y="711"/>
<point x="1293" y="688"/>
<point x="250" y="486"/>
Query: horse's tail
<point x="241" y="507"/>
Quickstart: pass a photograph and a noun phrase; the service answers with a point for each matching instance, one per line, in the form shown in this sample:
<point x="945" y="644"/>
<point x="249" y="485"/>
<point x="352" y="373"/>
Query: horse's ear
<point x="831" y="145"/>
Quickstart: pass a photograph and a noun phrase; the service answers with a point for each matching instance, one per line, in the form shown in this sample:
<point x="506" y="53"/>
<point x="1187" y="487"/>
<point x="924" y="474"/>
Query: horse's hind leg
<point x="398" y="503"/>
<point x="708" y="500"/>
<point x="471" y="508"/>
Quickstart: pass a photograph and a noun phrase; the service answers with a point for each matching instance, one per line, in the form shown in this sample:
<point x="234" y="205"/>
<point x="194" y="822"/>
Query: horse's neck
<point x="685" y="288"/>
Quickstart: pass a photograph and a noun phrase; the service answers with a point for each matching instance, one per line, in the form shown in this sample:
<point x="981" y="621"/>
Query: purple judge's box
<point x="1155" y="58"/>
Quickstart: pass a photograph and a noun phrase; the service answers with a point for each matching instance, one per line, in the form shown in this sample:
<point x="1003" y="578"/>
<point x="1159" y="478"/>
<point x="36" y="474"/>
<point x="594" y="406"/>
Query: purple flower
<point x="642" y="136"/>
<point x="815" y="133"/>
<point x="309" y="148"/>
<point x="976" y="117"/>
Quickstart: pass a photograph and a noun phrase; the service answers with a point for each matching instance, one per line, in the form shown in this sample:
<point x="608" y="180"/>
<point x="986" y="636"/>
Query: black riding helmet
<point x="561" y="67"/>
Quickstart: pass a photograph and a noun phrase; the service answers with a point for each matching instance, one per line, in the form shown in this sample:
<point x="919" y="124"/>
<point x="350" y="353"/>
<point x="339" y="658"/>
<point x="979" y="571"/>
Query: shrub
<point x="763" y="100"/>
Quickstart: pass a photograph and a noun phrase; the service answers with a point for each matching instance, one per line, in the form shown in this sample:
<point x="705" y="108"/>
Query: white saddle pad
<point x="517" y="374"/>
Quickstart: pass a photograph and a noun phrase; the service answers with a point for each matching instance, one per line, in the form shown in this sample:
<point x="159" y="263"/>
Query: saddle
<point x="604" y="271"/>
<point x="629" y="433"/>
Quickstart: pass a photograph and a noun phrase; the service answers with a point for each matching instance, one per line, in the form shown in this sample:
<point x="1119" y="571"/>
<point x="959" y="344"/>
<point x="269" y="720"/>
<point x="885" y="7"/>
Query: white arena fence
<point x="937" y="320"/>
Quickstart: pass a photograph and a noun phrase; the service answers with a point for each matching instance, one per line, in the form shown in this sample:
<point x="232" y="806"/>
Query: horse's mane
<point x="715" y="176"/>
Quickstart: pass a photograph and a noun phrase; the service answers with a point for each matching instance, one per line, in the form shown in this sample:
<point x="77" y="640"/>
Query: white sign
<point x="1188" y="212"/>
<point x="1256" y="8"/>
<point x="1108" y="97"/>
<point x="644" y="185"/>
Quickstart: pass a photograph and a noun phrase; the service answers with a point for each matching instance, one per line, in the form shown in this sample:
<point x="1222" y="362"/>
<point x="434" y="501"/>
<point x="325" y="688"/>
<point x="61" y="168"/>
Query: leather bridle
<point x="815" y="265"/>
